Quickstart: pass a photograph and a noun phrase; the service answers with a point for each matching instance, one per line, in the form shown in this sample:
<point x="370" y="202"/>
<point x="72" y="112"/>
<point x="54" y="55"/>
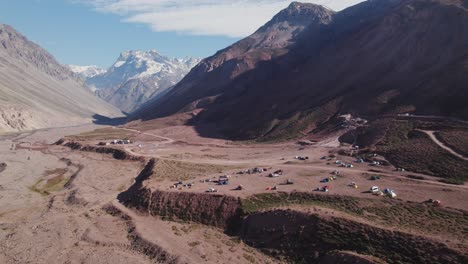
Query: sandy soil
<point x="54" y="228"/>
<point x="43" y="221"/>
<point x="68" y="225"/>
<point x="187" y="147"/>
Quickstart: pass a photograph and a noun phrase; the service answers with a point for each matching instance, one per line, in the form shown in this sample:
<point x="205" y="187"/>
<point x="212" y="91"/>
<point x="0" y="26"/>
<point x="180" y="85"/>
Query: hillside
<point x="376" y="58"/>
<point x="37" y="92"/>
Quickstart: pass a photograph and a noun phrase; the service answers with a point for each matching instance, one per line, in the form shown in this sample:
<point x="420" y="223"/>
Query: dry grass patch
<point x="423" y="218"/>
<point x="51" y="181"/>
<point x="194" y="243"/>
<point x="183" y="171"/>
<point x="103" y="134"/>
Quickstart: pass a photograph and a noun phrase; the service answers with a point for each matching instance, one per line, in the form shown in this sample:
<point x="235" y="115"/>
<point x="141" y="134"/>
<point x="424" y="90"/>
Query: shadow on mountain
<point x="104" y="120"/>
<point x="365" y="63"/>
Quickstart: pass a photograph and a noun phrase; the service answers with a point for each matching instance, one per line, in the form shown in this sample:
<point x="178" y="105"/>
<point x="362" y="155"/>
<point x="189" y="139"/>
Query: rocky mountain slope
<point x="309" y="65"/>
<point x="37" y="92"/>
<point x="137" y="77"/>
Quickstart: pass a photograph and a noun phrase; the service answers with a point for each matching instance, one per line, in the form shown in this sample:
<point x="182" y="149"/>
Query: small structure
<point x="121" y="142"/>
<point x="374" y="189"/>
<point x="390" y="193"/>
<point x="276" y="174"/>
<point x="252" y="171"/>
<point x="301" y="157"/>
<point x="223" y="180"/>
<point x="374" y="177"/>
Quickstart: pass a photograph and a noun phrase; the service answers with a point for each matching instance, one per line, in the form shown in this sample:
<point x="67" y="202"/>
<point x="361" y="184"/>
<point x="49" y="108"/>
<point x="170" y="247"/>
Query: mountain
<point x="137" y="76"/>
<point x="37" y="92"/>
<point x="86" y="72"/>
<point x="309" y="65"/>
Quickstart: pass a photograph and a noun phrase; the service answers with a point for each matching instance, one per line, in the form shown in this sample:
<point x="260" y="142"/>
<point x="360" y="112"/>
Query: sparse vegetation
<point x="415" y="151"/>
<point x="287" y="129"/>
<point x="194" y="243"/>
<point x="47" y="184"/>
<point x="183" y="171"/>
<point x="2" y="166"/>
<point x="176" y="230"/>
<point x="249" y="258"/>
<point x="264" y="201"/>
<point x="456" y="139"/>
<point x="103" y="134"/>
<point x="189" y="228"/>
<point x="231" y="242"/>
<point x="391" y="213"/>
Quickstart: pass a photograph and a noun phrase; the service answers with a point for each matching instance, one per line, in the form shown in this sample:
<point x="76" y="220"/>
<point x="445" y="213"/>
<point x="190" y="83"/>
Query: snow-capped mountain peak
<point x="86" y="72"/>
<point x="141" y="74"/>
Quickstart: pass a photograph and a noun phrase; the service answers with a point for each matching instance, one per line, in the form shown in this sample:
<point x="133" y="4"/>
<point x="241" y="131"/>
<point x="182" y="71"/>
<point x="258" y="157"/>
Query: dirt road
<point x="167" y="140"/>
<point x="442" y="145"/>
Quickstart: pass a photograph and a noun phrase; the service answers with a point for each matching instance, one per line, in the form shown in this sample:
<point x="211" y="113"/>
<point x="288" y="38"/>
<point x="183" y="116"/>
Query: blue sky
<point x="85" y="32"/>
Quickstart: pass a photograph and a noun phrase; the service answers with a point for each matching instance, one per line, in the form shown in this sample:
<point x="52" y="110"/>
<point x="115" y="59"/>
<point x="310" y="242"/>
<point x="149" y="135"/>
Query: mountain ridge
<point x="38" y="92"/>
<point x="377" y="57"/>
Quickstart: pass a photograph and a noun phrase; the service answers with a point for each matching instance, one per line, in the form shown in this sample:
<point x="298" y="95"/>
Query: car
<point x="211" y="190"/>
<point x="374" y="189"/>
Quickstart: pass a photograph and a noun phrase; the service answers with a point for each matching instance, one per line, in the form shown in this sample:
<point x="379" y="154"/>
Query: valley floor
<point x="55" y="201"/>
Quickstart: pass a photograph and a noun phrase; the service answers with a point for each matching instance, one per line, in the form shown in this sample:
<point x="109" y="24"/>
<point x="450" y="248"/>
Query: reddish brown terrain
<point x="101" y="200"/>
<point x="375" y="58"/>
<point x="324" y="137"/>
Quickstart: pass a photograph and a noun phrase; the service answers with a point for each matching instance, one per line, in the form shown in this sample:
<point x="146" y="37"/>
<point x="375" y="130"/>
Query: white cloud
<point x="233" y="18"/>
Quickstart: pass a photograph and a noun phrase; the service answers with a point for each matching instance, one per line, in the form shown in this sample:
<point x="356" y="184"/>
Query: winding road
<point x="442" y="145"/>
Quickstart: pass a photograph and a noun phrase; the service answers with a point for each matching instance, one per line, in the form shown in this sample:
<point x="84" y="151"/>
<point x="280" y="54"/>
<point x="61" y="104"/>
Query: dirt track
<point x="442" y="145"/>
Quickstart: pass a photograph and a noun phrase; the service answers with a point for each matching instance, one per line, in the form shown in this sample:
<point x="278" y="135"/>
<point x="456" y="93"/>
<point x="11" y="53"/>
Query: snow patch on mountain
<point x="86" y="72"/>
